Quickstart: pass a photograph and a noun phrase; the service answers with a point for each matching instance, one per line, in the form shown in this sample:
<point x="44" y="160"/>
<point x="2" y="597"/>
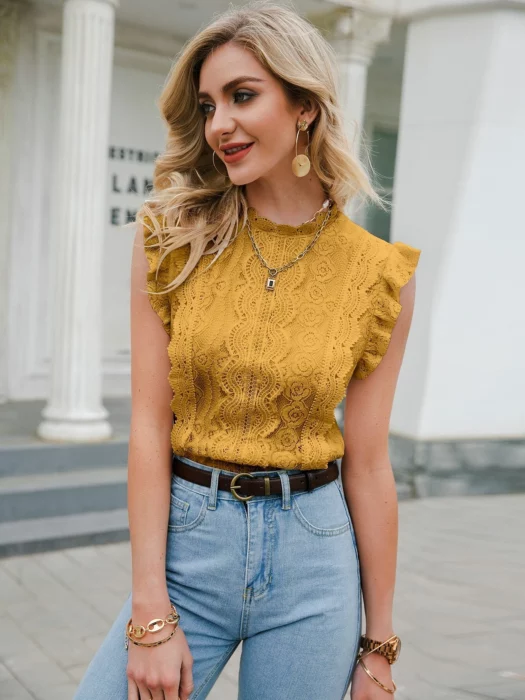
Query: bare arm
<point x="163" y="672"/>
<point x="369" y="484"/>
<point x="149" y="458"/>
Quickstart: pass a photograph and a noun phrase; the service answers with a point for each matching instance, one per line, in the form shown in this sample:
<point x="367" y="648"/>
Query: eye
<point x="243" y="96"/>
<point x="203" y="106"/>
<point x="239" y="97"/>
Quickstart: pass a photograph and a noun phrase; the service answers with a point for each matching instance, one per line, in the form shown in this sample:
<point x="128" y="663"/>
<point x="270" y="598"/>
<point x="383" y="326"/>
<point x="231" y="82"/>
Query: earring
<point x="301" y="163"/>
<point x="216" y="168"/>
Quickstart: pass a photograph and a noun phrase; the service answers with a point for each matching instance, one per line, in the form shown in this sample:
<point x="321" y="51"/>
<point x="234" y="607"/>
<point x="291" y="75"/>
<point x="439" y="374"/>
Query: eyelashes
<point x="244" y="95"/>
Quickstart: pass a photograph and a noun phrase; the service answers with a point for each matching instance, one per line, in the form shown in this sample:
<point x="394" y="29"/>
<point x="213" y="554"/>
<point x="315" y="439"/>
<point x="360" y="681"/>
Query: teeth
<point x="234" y="150"/>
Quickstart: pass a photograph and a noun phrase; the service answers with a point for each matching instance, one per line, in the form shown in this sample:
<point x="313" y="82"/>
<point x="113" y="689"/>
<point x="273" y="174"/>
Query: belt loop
<point x="285" y="485"/>
<point x="310" y="481"/>
<point x="214" y="485"/>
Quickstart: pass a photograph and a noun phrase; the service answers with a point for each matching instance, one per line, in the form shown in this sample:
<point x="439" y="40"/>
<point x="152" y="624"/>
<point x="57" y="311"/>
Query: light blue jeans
<point x="279" y="573"/>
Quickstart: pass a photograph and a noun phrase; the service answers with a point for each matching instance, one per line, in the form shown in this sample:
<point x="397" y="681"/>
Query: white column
<point x="356" y="36"/>
<point x="75" y="411"/>
<point x="459" y="196"/>
<point x="10" y="14"/>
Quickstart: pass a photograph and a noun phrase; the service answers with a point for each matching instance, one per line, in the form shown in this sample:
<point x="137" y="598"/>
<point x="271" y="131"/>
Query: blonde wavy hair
<point x="190" y="201"/>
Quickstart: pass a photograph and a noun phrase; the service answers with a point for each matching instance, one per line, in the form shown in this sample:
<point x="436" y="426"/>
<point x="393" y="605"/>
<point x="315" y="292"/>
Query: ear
<point x="309" y="110"/>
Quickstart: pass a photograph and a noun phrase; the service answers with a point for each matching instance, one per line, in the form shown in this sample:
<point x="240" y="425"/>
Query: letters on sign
<point x="131" y="179"/>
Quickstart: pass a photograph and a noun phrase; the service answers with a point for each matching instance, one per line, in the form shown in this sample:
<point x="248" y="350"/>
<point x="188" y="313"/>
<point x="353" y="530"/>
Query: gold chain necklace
<point x="273" y="271"/>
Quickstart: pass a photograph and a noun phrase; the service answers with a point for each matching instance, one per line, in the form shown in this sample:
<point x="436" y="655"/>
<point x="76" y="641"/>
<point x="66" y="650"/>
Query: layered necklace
<point x="274" y="271"/>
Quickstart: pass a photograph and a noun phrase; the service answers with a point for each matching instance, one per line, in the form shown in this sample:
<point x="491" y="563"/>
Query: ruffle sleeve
<point x="399" y="267"/>
<point x="157" y="276"/>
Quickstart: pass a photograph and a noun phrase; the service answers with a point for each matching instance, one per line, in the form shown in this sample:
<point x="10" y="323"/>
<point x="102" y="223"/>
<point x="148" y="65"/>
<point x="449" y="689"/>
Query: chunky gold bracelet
<point x="148" y="644"/>
<point x="153" y="625"/>
<point x="376" y="680"/>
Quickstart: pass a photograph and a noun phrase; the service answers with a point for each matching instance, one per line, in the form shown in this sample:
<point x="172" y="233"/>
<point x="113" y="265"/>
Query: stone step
<point x="62" y="493"/>
<point x="45" y="458"/>
<point x="46" y="534"/>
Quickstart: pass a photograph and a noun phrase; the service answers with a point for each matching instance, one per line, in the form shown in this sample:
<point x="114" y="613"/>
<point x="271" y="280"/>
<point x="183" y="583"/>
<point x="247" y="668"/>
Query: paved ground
<point x="459" y="609"/>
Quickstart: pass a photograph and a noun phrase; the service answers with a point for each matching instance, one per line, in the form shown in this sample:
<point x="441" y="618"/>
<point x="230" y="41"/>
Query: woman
<point x="237" y="517"/>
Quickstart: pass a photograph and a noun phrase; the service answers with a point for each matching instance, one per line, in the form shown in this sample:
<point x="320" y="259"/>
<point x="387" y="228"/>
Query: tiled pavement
<point x="459" y="607"/>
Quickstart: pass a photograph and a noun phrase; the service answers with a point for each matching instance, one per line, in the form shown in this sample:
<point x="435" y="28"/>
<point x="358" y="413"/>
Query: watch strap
<point x="390" y="649"/>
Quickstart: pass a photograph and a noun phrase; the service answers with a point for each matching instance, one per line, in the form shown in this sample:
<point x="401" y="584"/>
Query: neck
<point x="291" y="202"/>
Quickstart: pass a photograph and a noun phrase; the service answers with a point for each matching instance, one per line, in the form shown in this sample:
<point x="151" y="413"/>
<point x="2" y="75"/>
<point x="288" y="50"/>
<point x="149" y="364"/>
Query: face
<point x="245" y="107"/>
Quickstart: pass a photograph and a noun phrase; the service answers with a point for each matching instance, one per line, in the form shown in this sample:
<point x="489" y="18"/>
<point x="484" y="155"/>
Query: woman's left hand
<point x="364" y="688"/>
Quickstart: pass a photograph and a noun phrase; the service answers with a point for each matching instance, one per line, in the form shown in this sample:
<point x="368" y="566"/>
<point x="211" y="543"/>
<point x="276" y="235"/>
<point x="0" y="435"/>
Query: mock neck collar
<point x="262" y="223"/>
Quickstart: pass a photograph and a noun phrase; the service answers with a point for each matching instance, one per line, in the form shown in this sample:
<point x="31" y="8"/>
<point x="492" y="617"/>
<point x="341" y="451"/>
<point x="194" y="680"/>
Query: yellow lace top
<point x="257" y="374"/>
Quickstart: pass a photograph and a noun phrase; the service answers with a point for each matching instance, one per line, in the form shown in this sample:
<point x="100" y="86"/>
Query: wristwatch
<point x="390" y="650"/>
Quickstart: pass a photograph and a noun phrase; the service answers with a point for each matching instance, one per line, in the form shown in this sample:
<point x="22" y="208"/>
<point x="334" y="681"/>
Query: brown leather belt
<point x="256" y="485"/>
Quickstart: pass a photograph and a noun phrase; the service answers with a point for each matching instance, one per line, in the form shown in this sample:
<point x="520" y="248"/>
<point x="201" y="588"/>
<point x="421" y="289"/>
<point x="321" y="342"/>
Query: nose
<point x="221" y="123"/>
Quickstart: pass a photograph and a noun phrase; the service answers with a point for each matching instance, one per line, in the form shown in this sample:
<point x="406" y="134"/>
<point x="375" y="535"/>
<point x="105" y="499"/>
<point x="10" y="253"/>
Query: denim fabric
<point x="279" y="573"/>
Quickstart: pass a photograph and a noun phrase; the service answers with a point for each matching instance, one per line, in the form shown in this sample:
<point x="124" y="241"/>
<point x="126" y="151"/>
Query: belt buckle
<point x="233" y="487"/>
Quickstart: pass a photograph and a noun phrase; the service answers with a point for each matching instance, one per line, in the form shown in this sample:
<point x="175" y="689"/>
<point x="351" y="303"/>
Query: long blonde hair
<point x="191" y="202"/>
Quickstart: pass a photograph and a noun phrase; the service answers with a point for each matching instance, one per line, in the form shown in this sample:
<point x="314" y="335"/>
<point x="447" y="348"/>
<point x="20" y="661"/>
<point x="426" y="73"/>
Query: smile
<point x="237" y="148"/>
<point x="232" y="155"/>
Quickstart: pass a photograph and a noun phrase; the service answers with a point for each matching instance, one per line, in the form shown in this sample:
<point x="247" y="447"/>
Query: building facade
<point x="439" y="88"/>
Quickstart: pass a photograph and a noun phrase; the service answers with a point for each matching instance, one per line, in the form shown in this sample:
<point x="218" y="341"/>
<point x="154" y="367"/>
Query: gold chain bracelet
<point x="149" y="644"/>
<point x="153" y="626"/>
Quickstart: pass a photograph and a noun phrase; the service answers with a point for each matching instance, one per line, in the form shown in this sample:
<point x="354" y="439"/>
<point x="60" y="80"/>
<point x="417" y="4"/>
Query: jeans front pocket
<point x="187" y="508"/>
<point x="322" y="511"/>
<point x="345" y="504"/>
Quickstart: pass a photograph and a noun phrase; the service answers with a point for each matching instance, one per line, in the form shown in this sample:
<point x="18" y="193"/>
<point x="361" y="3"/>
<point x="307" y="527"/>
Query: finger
<point x="144" y="692"/>
<point x="171" y="693"/>
<point x="171" y="690"/>
<point x="133" y="691"/>
<point x="186" y="680"/>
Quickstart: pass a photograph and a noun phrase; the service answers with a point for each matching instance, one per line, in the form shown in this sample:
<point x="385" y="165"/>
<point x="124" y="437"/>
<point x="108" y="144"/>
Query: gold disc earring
<point x="301" y="163"/>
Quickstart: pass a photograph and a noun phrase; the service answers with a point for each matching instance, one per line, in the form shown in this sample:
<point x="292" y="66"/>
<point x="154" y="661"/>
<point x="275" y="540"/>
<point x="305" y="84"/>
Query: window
<point x="383" y="157"/>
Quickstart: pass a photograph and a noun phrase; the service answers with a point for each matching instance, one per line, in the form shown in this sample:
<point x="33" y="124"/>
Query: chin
<point x="244" y="178"/>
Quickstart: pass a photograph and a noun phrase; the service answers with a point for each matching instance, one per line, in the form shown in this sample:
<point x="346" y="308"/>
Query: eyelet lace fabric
<point x="256" y="374"/>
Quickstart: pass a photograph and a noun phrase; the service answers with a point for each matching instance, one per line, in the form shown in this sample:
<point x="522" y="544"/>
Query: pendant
<point x="270" y="282"/>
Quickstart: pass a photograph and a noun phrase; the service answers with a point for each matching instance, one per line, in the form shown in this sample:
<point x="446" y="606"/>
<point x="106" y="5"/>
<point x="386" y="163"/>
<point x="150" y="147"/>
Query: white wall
<point x="135" y="126"/>
<point x="458" y="196"/>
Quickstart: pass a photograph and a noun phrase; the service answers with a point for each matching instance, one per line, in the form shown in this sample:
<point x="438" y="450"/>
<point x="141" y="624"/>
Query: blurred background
<point x="439" y="88"/>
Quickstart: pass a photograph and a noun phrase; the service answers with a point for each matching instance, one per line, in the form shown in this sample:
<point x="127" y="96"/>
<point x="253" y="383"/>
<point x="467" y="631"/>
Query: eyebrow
<point x="233" y="83"/>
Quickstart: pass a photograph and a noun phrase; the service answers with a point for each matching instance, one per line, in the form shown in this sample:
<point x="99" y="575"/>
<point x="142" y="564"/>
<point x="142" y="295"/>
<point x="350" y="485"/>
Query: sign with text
<point x="130" y="182"/>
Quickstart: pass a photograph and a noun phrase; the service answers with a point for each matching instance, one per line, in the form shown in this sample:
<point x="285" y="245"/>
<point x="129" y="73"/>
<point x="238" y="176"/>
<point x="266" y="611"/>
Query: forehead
<point x="226" y="63"/>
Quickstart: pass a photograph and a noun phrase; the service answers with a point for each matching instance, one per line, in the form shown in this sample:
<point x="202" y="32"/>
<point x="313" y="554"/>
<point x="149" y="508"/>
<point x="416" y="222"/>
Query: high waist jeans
<point x="279" y="573"/>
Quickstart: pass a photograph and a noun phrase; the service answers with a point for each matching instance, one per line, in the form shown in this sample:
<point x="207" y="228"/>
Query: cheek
<point x="207" y="134"/>
<point x="272" y="132"/>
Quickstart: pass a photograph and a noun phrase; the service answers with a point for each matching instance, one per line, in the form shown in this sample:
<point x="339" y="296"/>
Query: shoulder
<point x="358" y="241"/>
<point x="394" y="262"/>
<point x="382" y="269"/>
